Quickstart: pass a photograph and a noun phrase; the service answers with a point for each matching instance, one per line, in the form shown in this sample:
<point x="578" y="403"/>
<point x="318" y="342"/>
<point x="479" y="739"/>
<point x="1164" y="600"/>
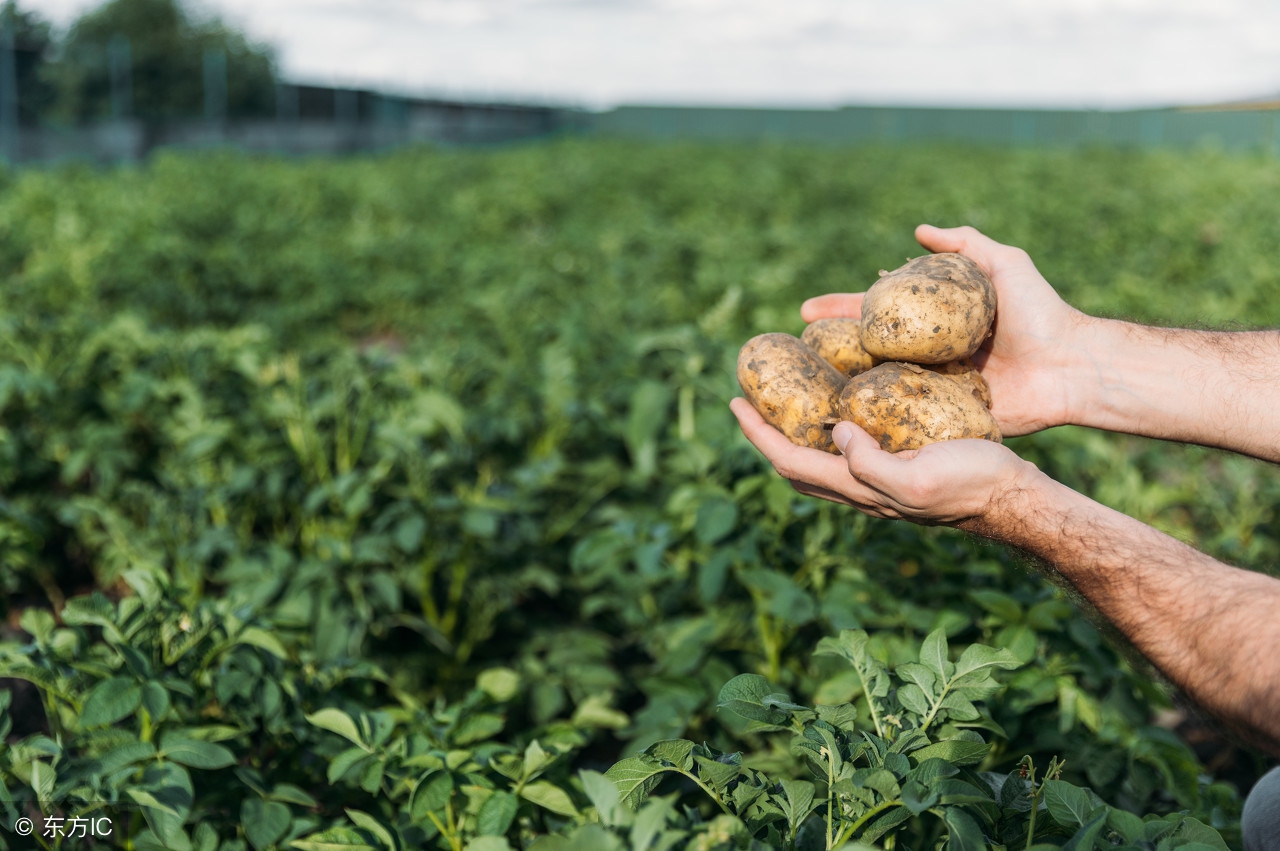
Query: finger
<point x="966" y="240"/>
<point x="832" y="306"/>
<point x="872" y="509"/>
<point x="812" y="467"/>
<point x="821" y="493"/>
<point x="879" y="470"/>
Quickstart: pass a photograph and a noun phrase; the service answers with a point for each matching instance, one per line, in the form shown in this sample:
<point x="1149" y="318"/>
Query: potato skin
<point x="794" y="389"/>
<point x="935" y="309"/>
<point x="905" y="406"/>
<point x="837" y="341"/>
<point x="966" y="374"/>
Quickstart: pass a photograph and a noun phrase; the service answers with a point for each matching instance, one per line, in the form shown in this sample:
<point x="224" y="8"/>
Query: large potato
<point x="968" y="376"/>
<point x="794" y="389"/>
<point x="905" y="406"/>
<point x="935" y="309"/>
<point x="837" y="342"/>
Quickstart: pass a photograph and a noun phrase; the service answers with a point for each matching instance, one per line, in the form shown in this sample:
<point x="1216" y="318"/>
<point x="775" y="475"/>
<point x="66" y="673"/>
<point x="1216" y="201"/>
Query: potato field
<point x="394" y="502"/>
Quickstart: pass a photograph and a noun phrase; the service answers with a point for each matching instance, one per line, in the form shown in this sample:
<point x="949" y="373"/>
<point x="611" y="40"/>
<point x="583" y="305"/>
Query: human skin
<point x="1211" y="628"/>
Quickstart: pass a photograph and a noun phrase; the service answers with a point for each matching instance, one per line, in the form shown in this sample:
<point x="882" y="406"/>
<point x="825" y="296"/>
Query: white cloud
<point x="1019" y="52"/>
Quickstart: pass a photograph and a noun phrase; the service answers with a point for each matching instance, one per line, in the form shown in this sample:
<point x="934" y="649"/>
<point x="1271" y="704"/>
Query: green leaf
<point x="931" y="769"/>
<point x="550" y="796"/>
<point x="290" y="794"/>
<point x="1196" y="831"/>
<point x="1086" y="837"/>
<point x="799" y="797"/>
<point x="128" y="753"/>
<point x="265" y="822"/>
<point x="744" y="695"/>
<point x="496" y="814"/>
<point x="334" y="839"/>
<point x="715" y="519"/>
<point x="110" y="701"/>
<point x="650" y="821"/>
<point x="678" y="752"/>
<point x="603" y="795"/>
<point x="260" y="638"/>
<point x="195" y="753"/>
<point x="337" y="721"/>
<point x="913" y="699"/>
<point x="367" y="822"/>
<point x="93" y="610"/>
<point x="488" y="843"/>
<point x="155" y="699"/>
<point x="955" y="751"/>
<point x="635" y="778"/>
<point x="1069" y="805"/>
<point x="933" y="654"/>
<point x="1128" y="825"/>
<point x="502" y="684"/>
<point x="43" y="779"/>
<point x="432" y="794"/>
<point x="917" y="798"/>
<point x="963" y="833"/>
<point x="39" y="623"/>
<point x="979" y="657"/>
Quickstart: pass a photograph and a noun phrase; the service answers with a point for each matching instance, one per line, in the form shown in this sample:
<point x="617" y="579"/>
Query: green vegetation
<point x="394" y="503"/>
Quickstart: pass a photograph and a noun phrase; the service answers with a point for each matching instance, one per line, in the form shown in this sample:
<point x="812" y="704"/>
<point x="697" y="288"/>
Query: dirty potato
<point x="837" y="342"/>
<point x="935" y="309"/>
<point x="967" y="375"/>
<point x="794" y="389"/>
<point x="905" y="406"/>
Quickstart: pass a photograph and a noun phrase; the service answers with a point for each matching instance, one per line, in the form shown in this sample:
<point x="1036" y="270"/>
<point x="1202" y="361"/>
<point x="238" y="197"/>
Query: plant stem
<point x="707" y="789"/>
<point x="864" y="818"/>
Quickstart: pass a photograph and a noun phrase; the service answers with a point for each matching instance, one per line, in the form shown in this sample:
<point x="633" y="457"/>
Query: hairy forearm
<point x="1211" y="388"/>
<point x="1212" y="629"/>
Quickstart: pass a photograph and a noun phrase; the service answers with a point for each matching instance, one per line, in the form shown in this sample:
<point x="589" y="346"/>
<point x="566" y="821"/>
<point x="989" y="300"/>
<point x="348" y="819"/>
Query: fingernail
<point x="841" y="435"/>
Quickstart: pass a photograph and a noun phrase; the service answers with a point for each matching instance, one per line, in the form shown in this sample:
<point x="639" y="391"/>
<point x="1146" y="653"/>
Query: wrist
<point x="1082" y="371"/>
<point x="1021" y="495"/>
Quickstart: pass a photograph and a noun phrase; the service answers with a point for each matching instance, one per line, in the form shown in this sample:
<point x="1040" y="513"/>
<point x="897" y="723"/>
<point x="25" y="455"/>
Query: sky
<point x="811" y="53"/>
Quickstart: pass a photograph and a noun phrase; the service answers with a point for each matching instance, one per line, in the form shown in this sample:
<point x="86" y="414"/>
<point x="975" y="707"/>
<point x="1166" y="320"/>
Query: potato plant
<point x="444" y="434"/>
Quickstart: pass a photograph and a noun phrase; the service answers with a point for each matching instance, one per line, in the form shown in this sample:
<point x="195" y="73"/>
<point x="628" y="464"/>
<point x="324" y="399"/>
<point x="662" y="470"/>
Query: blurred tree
<point x="163" y="49"/>
<point x="33" y="47"/>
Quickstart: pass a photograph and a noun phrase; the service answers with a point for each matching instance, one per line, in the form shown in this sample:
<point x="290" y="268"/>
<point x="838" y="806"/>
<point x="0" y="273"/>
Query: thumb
<point x="867" y="461"/>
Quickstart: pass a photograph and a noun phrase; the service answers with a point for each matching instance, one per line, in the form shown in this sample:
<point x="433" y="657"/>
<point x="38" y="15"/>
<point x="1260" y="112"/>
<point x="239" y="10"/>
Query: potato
<point x="905" y="406"/>
<point x="794" y="389"/>
<point x="837" y="342"/>
<point x="966" y="374"/>
<point x="935" y="309"/>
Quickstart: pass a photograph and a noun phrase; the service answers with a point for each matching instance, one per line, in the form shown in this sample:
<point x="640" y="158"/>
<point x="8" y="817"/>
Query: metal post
<point x="286" y="103"/>
<point x="8" y="90"/>
<point x="215" y="85"/>
<point x="346" y="106"/>
<point x="121" y="61"/>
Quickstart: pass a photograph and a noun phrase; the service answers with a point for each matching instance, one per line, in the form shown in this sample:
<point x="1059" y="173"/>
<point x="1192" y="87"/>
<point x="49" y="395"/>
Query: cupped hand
<point x="971" y="484"/>
<point x="1033" y="349"/>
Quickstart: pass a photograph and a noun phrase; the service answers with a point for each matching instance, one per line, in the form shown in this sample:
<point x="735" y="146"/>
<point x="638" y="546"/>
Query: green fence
<point x="1230" y="129"/>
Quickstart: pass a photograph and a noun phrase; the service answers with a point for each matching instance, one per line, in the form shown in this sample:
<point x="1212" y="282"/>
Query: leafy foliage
<point x="444" y="435"/>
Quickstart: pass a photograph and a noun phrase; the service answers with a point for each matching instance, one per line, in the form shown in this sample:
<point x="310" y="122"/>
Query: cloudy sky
<point x="598" y="53"/>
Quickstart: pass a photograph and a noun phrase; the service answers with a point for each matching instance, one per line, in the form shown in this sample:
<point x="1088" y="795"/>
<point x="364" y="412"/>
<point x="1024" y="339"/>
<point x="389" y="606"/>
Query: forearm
<point x="1212" y="629"/>
<point x="1212" y="388"/>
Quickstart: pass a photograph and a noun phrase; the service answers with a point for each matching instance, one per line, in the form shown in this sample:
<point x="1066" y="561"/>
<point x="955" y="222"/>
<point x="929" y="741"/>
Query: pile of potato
<point x="902" y="372"/>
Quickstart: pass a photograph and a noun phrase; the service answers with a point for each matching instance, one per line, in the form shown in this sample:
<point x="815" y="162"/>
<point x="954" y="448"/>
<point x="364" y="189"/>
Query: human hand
<point x="1035" y="343"/>
<point x="970" y="484"/>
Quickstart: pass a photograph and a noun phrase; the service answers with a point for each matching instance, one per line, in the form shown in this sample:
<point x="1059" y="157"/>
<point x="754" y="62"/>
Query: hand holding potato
<point x="1028" y="360"/>
<point x="957" y="483"/>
